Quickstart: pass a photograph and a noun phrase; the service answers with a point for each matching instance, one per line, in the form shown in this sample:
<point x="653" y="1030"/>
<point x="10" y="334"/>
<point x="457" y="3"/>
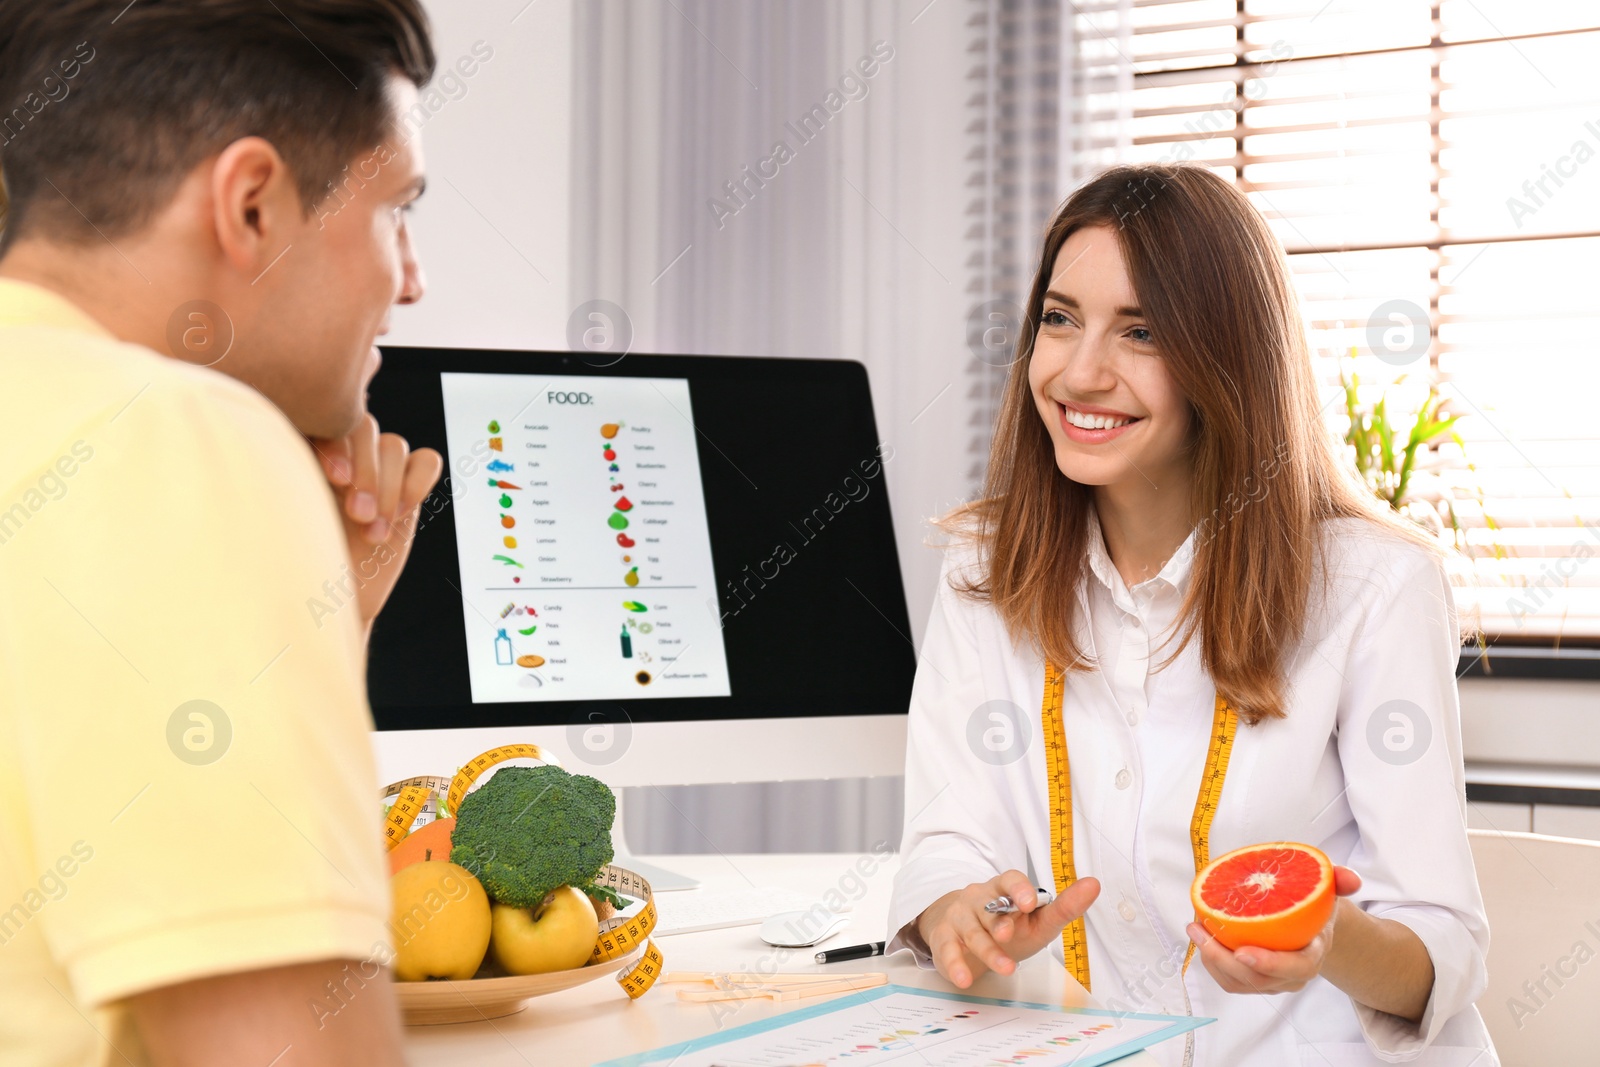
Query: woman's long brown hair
<point x="1214" y="287"/>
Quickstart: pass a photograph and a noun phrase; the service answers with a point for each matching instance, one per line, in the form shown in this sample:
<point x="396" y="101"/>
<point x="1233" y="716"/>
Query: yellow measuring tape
<point x="412" y="797"/>
<point x="1224" y="725"/>
<point x="474" y="768"/>
<point x="618" y="935"/>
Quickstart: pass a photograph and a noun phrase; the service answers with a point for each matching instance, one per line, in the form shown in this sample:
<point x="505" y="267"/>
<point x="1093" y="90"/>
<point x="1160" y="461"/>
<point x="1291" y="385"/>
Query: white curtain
<point x="819" y="179"/>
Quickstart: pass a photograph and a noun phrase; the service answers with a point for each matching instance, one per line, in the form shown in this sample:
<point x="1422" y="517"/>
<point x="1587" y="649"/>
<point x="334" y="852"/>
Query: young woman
<point x="1168" y="553"/>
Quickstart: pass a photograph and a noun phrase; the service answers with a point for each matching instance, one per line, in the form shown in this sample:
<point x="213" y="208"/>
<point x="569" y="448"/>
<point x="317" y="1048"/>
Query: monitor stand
<point x="661" y="879"/>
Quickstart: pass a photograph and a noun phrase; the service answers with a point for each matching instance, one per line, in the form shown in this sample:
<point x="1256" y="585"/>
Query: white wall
<point x="492" y="229"/>
<point x="1550" y="729"/>
<point x="1532" y="732"/>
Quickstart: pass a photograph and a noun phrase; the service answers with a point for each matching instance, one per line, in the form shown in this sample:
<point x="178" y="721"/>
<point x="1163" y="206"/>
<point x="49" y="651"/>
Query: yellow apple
<point x="440" y="922"/>
<point x="558" y="935"/>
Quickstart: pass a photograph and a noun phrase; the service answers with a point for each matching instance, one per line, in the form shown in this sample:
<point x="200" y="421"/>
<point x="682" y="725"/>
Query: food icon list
<point x="906" y="1026"/>
<point x="582" y="534"/>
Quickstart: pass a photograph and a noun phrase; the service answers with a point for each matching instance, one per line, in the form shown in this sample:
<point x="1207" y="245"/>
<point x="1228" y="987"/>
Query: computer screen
<point x="666" y="539"/>
<point x="584" y="550"/>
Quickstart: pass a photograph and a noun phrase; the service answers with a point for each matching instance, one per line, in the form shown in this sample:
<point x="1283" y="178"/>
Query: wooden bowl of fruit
<point x="513" y="898"/>
<point x="488" y="995"/>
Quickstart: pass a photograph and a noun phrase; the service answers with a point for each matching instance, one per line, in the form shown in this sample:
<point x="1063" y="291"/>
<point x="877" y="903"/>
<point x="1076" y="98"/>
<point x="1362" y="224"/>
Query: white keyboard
<point x="708" y="909"/>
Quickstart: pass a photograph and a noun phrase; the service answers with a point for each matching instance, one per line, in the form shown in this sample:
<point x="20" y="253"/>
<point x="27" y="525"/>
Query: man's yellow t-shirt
<point x="187" y="785"/>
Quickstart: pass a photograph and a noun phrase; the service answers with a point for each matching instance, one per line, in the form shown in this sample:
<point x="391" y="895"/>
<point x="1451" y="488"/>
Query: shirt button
<point x="1125" y="909"/>
<point x="1133" y="718"/>
<point x="1123" y="778"/>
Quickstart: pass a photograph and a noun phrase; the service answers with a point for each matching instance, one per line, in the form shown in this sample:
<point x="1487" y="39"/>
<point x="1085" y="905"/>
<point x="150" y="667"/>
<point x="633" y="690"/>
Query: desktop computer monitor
<point x="665" y="569"/>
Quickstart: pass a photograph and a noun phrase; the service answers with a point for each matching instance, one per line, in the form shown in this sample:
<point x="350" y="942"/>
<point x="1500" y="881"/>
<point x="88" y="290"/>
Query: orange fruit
<point x="414" y="849"/>
<point x="1276" y="896"/>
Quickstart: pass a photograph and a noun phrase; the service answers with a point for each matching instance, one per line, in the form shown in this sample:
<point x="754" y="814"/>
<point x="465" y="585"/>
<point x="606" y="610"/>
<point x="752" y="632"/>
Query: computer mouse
<point x="798" y="929"/>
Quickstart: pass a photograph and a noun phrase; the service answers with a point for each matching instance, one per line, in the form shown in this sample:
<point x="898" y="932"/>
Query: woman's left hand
<point x="1260" y="970"/>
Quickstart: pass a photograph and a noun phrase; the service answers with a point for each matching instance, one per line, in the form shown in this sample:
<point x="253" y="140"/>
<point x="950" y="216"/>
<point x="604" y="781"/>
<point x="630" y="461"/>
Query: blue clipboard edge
<point x="1180" y="1024"/>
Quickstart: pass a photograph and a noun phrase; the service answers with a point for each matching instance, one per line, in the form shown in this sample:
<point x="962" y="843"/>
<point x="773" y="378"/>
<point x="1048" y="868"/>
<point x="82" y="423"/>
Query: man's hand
<point x="1260" y="970"/>
<point x="380" y="483"/>
<point x="965" y="940"/>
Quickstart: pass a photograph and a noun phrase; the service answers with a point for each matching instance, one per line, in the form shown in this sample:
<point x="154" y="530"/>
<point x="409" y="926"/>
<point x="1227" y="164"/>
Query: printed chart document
<point x="900" y="1025"/>
<point x="582" y="535"/>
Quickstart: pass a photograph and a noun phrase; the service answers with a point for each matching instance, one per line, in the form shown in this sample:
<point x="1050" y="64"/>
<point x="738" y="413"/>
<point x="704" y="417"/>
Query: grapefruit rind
<point x="1287" y="929"/>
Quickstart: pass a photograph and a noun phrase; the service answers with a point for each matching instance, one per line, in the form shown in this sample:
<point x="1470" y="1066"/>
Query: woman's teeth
<point x="1095" y="422"/>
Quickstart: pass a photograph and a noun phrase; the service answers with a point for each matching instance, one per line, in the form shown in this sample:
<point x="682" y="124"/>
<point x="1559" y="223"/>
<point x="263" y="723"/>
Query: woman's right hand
<point x="965" y="940"/>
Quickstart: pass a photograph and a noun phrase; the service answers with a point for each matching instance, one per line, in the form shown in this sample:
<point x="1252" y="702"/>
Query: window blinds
<point x="1433" y="171"/>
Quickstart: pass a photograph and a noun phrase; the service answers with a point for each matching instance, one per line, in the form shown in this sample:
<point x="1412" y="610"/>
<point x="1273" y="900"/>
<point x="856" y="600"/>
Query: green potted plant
<point x="1396" y="443"/>
<point x="1396" y="449"/>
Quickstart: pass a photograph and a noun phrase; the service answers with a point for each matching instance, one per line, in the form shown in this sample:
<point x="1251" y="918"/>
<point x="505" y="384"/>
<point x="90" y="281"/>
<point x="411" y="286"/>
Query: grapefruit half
<point x="1277" y="896"/>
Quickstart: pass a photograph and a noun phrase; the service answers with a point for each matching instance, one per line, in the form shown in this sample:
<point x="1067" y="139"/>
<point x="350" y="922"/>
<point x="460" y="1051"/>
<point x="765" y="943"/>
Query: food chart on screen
<point x="585" y="552"/>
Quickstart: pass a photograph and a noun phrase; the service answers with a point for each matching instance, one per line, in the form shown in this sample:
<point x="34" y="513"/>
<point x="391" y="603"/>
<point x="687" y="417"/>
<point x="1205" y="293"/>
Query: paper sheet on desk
<point x="925" y="1027"/>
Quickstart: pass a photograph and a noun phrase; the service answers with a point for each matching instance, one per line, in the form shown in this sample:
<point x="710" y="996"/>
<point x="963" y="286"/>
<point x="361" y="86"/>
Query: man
<point x="205" y="234"/>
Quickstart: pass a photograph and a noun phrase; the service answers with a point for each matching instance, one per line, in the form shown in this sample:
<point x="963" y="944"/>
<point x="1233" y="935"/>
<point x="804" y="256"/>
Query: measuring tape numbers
<point x="413" y="797"/>
<point x="1224" y="727"/>
<point x="619" y="935"/>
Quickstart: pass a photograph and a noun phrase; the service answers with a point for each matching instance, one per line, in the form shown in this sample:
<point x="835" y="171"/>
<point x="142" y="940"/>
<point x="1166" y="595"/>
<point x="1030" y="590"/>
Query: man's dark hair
<point x="106" y="105"/>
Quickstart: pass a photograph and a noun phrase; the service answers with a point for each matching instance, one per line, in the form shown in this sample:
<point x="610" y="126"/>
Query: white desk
<point x="597" y="1022"/>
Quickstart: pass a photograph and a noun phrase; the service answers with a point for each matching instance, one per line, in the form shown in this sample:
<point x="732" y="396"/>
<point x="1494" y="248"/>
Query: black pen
<point x="854" y="952"/>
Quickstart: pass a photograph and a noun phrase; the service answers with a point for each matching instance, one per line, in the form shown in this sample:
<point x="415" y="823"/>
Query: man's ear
<point x="255" y="205"/>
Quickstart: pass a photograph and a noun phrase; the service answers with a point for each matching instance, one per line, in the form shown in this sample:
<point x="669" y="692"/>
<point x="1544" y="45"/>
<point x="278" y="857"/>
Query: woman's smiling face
<point x="1114" y="414"/>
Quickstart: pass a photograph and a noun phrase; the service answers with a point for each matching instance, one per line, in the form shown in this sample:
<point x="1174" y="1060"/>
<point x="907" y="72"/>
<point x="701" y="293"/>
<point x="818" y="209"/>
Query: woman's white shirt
<point x="1367" y="766"/>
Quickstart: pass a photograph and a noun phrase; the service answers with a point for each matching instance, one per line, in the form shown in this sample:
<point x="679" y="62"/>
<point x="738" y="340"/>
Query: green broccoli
<point x="530" y="830"/>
